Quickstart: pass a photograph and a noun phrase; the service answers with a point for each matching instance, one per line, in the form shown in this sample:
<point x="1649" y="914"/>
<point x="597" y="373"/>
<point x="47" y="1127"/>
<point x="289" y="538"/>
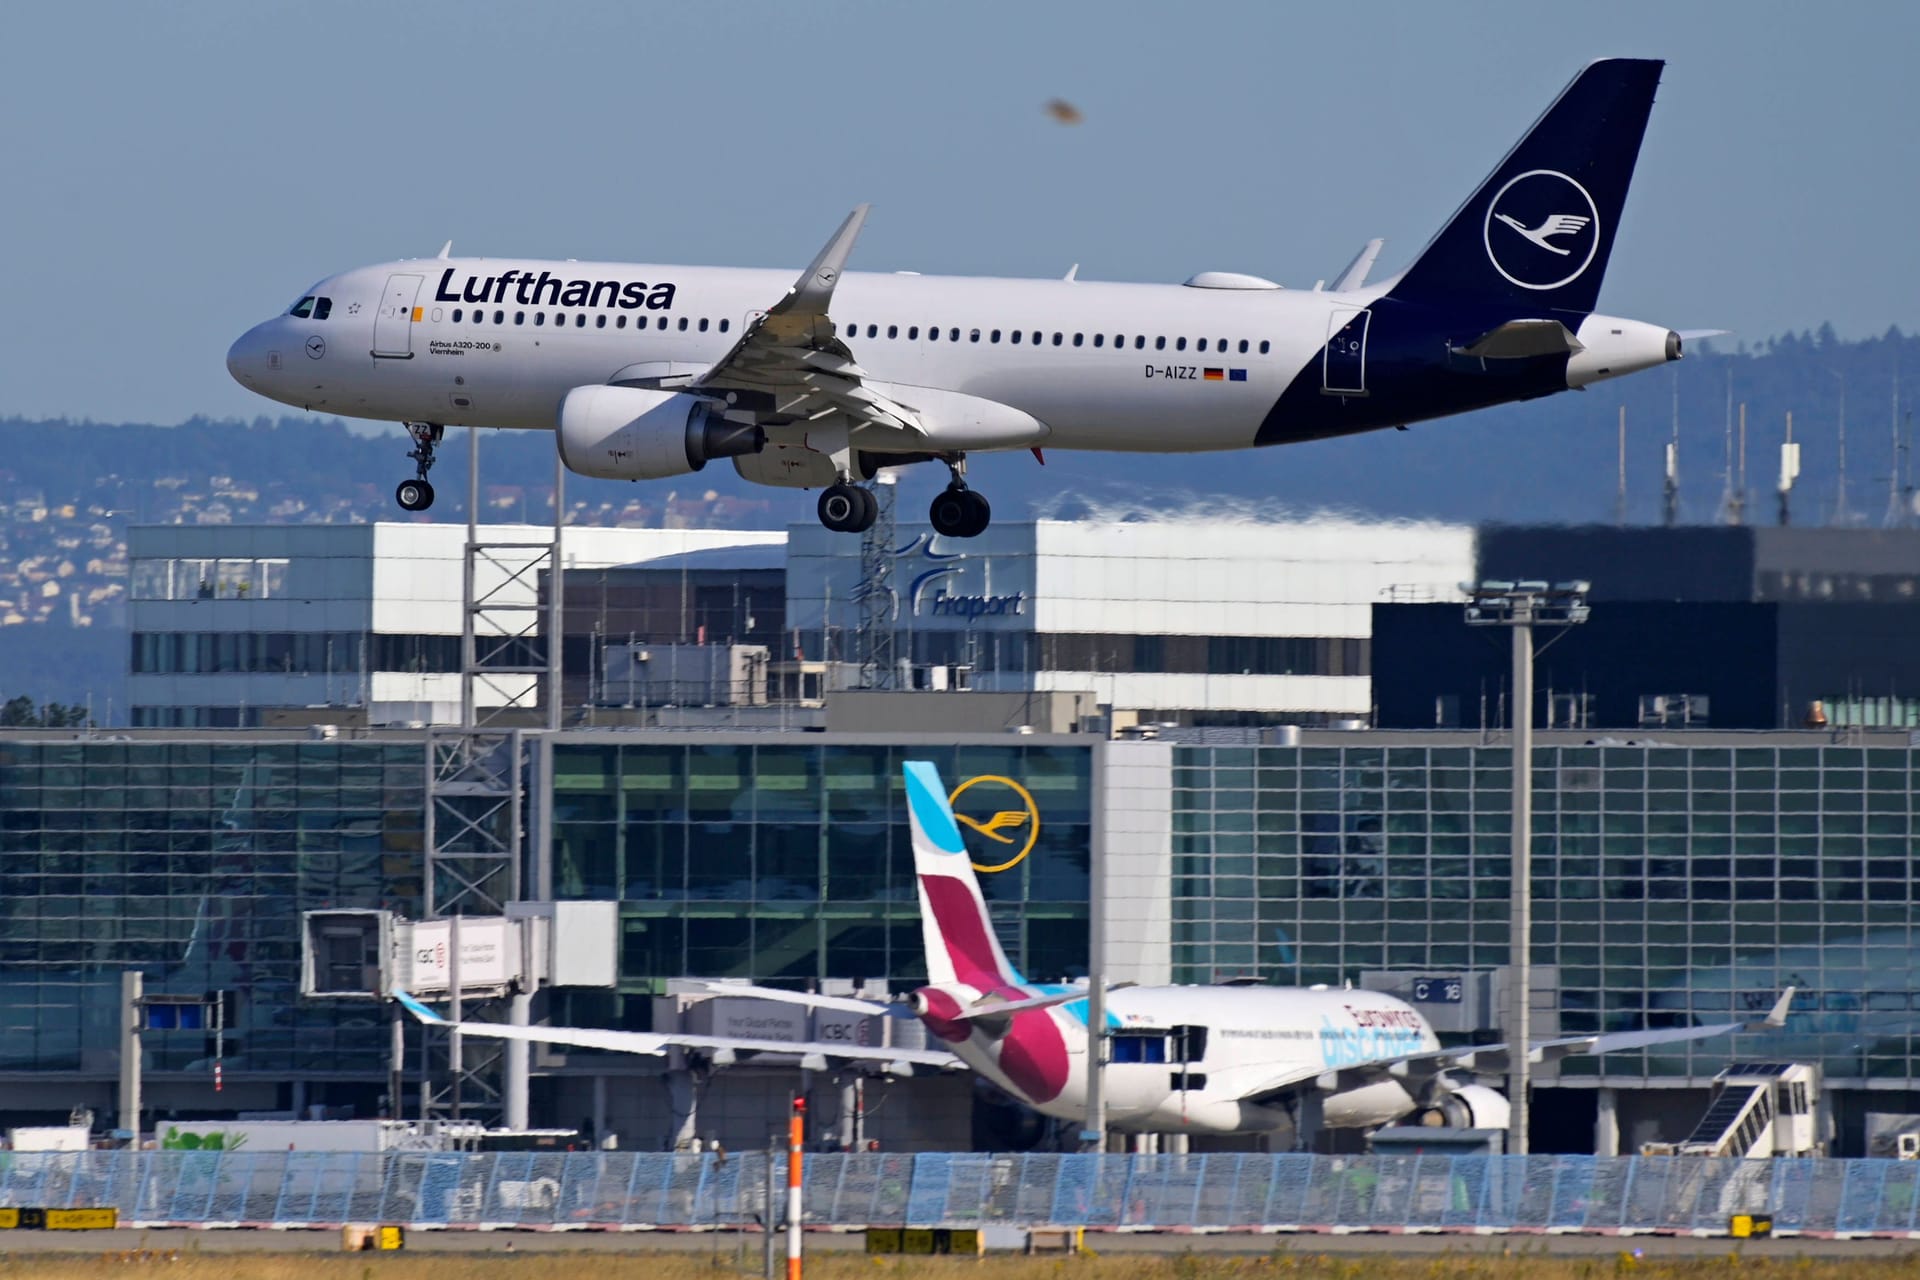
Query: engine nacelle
<point x="630" y="433"/>
<point x="793" y="466"/>
<point x="1470" y="1106"/>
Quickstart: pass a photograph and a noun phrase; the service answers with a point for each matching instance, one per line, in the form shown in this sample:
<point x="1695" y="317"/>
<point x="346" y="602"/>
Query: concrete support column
<point x="1606" y="1124"/>
<point x="683" y="1099"/>
<point x="1308" y="1119"/>
<point x="600" y="1112"/>
<point x="1175" y="1144"/>
<point x="132" y="989"/>
<point x="519" y="1063"/>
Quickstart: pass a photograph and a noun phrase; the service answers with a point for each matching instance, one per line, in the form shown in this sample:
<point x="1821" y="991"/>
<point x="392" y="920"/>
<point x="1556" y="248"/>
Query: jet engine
<point x="1469" y="1106"/>
<point x="631" y="433"/>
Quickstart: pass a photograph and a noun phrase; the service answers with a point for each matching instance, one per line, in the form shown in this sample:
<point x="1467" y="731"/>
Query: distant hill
<point x="72" y="487"/>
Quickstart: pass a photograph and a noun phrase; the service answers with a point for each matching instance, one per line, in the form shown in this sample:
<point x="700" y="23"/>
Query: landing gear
<point x="959" y="512"/>
<point x="414" y="495"/>
<point x="847" y="508"/>
<point x="417" y="494"/>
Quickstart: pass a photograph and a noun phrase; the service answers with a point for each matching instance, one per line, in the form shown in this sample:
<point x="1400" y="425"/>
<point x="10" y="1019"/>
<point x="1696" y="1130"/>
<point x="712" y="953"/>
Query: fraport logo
<point x="928" y="594"/>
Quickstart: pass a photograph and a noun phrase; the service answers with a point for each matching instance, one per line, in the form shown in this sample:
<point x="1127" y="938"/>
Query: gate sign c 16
<point x="1438" y="991"/>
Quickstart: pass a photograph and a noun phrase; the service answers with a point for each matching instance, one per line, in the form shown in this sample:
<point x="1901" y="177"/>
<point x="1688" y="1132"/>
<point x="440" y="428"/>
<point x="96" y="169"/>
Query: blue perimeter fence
<point x="1216" y="1192"/>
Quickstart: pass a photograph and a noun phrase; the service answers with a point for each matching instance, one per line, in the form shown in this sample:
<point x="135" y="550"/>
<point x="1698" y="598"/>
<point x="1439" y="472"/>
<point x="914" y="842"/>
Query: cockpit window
<point x="322" y="308"/>
<point x="302" y="308"/>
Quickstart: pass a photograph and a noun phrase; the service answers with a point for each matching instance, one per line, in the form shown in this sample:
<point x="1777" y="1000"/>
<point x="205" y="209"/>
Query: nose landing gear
<point x="417" y="494"/>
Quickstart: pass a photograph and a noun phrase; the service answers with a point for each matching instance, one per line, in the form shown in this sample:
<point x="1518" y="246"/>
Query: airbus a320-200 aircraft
<point x="1180" y="1059"/>
<point x="647" y="372"/>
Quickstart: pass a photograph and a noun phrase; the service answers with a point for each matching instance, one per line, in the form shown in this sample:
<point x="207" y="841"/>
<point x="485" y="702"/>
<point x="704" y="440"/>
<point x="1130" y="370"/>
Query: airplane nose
<point x="247" y="358"/>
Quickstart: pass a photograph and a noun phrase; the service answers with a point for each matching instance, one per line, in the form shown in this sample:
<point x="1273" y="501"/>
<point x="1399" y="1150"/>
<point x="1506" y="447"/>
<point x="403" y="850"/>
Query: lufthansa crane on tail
<point x="1178" y="1059"/>
<point x="646" y="372"/>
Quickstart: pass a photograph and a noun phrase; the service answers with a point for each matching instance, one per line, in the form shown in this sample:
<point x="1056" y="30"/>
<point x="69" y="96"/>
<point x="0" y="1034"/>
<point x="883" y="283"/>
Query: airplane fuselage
<point x="1150" y="368"/>
<point x="1195" y="1059"/>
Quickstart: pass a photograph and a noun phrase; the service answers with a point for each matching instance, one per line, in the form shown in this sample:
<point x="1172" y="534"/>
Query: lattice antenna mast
<point x="877" y="667"/>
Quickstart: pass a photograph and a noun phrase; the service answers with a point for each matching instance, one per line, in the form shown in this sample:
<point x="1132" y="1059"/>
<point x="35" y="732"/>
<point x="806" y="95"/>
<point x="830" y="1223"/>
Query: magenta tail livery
<point x="645" y="372"/>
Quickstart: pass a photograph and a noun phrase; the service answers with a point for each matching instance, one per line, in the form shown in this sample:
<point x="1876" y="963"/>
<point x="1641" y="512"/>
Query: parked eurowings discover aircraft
<point x="646" y="372"/>
<point x="1192" y="1059"/>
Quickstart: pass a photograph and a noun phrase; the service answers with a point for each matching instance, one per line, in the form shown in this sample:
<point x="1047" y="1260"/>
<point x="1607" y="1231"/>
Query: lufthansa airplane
<point x="646" y="372"/>
<point x="1194" y="1059"/>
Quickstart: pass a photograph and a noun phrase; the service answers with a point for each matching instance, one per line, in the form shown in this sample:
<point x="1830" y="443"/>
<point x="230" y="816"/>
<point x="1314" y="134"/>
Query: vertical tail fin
<point x="954" y="924"/>
<point x="1539" y="230"/>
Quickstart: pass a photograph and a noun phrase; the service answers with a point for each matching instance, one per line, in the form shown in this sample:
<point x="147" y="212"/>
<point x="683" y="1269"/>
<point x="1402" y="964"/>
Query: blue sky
<point x="175" y="172"/>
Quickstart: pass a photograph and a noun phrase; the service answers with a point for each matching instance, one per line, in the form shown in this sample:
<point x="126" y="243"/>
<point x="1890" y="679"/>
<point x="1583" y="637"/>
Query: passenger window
<point x="973" y="336"/>
<point x="1078" y="338"/>
<point x="1263" y="346"/>
<point x="1057" y="338"/>
<point x="662" y="324"/>
<point x="322" y="308"/>
<point x="953" y="335"/>
<point x="599" y="322"/>
<point x="580" y="321"/>
<point x="1179" y="344"/>
<point x="1099" y="339"/>
<point x="994" y="336"/>
<point x="933" y="334"/>
<point x="456" y="315"/>
<point x="723" y="325"/>
<point x="499" y="317"/>
<point x="873" y="331"/>
<point x="703" y="324"/>
<point x="619" y="322"/>
<point x="683" y="324"/>
<point x="1243" y="346"/>
<point x="1014" y="337"/>
<point x="539" y="317"/>
<point x="1139" y="341"/>
<point x="302" y="308"/>
<point x="1159" y="344"/>
<point x="913" y="331"/>
<point x="520" y="317"/>
<point x="893" y="331"/>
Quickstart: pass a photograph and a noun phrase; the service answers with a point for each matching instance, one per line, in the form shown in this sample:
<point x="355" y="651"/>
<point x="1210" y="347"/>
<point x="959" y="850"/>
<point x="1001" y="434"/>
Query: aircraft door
<point x="393" y="325"/>
<point x="1344" y="372"/>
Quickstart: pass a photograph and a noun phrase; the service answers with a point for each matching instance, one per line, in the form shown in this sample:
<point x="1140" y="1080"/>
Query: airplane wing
<point x="846" y="1004"/>
<point x="789" y="365"/>
<point x="655" y="1044"/>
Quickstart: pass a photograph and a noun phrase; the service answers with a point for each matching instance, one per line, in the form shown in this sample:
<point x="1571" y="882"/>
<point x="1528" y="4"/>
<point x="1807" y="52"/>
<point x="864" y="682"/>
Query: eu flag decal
<point x="1214" y="375"/>
<point x="1236" y="375"/>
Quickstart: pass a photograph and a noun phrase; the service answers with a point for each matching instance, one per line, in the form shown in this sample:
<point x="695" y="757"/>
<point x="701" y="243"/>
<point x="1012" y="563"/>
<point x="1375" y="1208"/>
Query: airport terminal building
<point x="1683" y="879"/>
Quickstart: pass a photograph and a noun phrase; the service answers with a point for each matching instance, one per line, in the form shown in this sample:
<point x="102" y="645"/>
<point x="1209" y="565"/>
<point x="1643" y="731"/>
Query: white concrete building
<point x="240" y="625"/>
<point x="1184" y="619"/>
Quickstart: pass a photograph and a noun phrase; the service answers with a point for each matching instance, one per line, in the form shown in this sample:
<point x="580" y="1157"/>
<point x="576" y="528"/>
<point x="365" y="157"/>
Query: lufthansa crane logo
<point x="997" y="820"/>
<point x="1542" y="230"/>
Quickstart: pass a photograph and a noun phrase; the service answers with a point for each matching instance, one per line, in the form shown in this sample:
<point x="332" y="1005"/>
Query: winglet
<point x="419" y="1010"/>
<point x="1073" y="273"/>
<point x="1777" y="1016"/>
<point x="1356" y="271"/>
<point x="446" y="250"/>
<point x="814" y="288"/>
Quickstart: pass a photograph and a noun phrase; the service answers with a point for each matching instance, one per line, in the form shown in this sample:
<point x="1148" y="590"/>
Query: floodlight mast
<point x="1521" y="606"/>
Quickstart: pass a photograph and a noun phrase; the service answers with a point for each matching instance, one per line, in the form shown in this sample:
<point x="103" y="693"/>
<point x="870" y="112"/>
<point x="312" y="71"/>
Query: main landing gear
<point x="847" y="508"/>
<point x="417" y="494"/>
<point x="959" y="512"/>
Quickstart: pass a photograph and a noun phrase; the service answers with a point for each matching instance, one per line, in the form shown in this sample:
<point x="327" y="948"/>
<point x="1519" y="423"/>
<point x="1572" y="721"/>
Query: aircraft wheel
<point x="846" y="508"/>
<point x="414" y="495"/>
<point x="959" y="513"/>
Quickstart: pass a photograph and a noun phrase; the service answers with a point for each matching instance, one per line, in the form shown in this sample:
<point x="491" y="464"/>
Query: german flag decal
<point x="1214" y="375"/>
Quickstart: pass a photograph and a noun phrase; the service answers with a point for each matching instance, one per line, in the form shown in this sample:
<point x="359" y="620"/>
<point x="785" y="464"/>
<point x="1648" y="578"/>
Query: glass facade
<point x="787" y="863"/>
<point x="192" y="861"/>
<point x="1672" y="884"/>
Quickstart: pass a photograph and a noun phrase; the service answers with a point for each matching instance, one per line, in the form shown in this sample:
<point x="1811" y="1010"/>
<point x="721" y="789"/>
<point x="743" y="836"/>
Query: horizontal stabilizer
<point x="1519" y="339"/>
<point x="992" y="1008"/>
